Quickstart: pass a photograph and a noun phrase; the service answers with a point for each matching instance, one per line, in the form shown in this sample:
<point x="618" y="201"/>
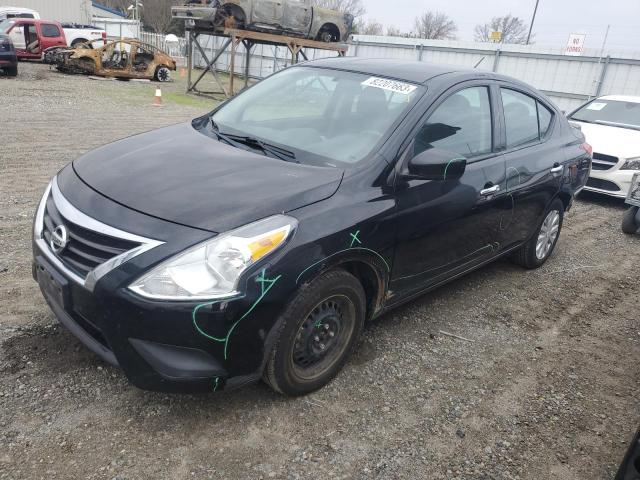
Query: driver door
<point x="116" y="59"/>
<point x="448" y="226"/>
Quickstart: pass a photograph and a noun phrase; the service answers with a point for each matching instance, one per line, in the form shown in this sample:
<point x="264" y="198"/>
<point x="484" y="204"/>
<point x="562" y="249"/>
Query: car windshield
<point x="610" y="112"/>
<point x="323" y="116"/>
<point x="6" y="25"/>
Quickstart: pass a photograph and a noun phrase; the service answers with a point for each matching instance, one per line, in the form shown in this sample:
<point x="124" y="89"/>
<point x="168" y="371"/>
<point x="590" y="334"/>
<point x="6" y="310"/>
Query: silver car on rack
<point x="288" y="17"/>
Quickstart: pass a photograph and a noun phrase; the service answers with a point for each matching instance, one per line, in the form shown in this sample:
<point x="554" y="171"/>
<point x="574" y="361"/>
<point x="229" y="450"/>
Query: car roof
<point x="408" y="70"/>
<point x="621" y="98"/>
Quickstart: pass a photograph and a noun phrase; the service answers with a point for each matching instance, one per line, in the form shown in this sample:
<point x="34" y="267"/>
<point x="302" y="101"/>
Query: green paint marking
<point x="318" y="324"/>
<point x="342" y="251"/>
<point x="215" y="383"/>
<point x="264" y="290"/>
<point x="447" y="167"/>
<point x="354" y="238"/>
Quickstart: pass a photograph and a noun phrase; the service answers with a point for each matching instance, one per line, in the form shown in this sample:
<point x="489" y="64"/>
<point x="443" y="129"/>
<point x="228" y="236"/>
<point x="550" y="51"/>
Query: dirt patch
<point x="547" y="389"/>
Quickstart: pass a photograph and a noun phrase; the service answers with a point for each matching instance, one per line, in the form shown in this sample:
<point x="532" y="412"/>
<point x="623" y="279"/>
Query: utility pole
<point x="533" y="19"/>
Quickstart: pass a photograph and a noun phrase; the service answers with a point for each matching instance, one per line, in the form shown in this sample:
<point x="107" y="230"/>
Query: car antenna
<point x="479" y="62"/>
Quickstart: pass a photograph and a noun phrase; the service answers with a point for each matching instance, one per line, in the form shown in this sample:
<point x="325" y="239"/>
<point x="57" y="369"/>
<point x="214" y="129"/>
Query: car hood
<point x="616" y="141"/>
<point x="180" y="175"/>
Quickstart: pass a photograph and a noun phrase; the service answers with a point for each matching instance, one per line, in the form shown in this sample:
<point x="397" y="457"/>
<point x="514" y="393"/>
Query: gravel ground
<point x="547" y="388"/>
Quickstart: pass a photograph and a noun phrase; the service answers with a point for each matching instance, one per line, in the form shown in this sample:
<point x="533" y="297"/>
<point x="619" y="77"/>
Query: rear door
<point x="448" y="226"/>
<point x="535" y="160"/>
<point x="51" y="35"/>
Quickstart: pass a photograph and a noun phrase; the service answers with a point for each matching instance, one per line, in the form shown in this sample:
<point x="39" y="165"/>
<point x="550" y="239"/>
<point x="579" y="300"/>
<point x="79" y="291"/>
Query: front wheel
<point x="318" y="331"/>
<point x="629" y="224"/>
<point x="163" y="74"/>
<point x="540" y="247"/>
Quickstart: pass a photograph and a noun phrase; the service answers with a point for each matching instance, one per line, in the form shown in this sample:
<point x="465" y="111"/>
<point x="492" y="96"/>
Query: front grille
<point x="602" y="184"/>
<point x="603" y="162"/>
<point x="85" y="249"/>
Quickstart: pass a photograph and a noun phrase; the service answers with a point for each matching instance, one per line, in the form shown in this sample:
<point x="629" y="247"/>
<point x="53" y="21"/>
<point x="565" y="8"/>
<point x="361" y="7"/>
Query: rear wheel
<point x="318" y="331"/>
<point x="540" y="247"/>
<point x="629" y="221"/>
<point x="12" y="71"/>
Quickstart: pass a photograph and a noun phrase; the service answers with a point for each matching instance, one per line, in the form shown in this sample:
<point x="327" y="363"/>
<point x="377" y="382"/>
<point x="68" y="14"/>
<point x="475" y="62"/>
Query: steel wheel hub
<point x="318" y="334"/>
<point x="548" y="234"/>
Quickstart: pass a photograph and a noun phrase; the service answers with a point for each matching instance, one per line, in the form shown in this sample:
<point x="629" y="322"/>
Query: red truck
<point x="31" y="37"/>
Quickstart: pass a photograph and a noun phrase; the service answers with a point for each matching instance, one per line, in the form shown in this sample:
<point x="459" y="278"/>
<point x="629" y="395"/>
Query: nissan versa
<point x="255" y="241"/>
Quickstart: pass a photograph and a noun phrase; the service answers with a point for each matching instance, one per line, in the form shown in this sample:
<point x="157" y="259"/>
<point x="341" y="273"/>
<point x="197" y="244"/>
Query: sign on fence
<point x="575" y="44"/>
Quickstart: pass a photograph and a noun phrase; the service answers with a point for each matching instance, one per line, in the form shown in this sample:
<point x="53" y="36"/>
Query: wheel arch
<point x="331" y="27"/>
<point x="371" y="270"/>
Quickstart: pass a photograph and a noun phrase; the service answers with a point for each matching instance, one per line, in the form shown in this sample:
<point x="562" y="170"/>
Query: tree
<point x="513" y="29"/>
<point x="393" y="31"/>
<point x="156" y="14"/>
<point x="354" y="7"/>
<point x="368" y="27"/>
<point x="435" y="26"/>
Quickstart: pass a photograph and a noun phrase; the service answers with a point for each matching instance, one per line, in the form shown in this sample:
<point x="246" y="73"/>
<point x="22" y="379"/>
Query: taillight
<point x="587" y="148"/>
<point x="104" y="35"/>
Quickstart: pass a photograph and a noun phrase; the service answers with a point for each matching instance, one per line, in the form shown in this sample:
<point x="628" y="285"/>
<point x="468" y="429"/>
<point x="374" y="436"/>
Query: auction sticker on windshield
<point x="391" y="85"/>
<point x="596" y="106"/>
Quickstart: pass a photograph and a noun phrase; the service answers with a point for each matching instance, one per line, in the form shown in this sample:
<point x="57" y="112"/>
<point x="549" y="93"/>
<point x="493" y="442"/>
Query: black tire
<point x="308" y="311"/>
<point x="12" y="71"/>
<point x="629" y="221"/>
<point x="77" y="42"/>
<point x="526" y="255"/>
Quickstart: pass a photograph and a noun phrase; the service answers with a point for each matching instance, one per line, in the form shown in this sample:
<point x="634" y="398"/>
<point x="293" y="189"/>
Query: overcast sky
<point x="555" y="20"/>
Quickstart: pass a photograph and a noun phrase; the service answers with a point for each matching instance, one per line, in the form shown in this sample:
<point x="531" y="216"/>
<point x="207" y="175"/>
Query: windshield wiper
<point x="254" y="143"/>
<point x="274" y="150"/>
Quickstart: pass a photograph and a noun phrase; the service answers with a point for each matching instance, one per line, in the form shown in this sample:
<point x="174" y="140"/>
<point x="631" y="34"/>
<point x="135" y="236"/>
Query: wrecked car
<point x="290" y="17"/>
<point x="120" y="59"/>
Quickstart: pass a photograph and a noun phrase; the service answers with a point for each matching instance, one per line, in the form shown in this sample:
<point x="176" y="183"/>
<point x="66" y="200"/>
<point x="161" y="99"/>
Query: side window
<point x="461" y="124"/>
<point x="520" y="117"/>
<point x="544" y="119"/>
<point x="50" y="31"/>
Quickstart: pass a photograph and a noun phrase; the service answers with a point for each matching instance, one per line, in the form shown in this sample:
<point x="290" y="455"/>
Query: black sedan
<point x="8" y="58"/>
<point x="255" y="241"/>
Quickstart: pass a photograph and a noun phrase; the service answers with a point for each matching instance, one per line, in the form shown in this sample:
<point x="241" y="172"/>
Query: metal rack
<point x="234" y="37"/>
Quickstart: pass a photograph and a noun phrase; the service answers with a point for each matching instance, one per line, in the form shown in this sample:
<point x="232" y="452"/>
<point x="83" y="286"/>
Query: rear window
<point x="49" y="30"/>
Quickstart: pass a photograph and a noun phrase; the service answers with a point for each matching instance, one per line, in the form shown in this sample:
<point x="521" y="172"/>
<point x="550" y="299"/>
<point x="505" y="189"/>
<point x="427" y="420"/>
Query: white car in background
<point x="611" y="124"/>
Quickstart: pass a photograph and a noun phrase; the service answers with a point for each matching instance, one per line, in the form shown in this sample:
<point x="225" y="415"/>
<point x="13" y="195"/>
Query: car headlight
<point x="631" y="164"/>
<point x="212" y="269"/>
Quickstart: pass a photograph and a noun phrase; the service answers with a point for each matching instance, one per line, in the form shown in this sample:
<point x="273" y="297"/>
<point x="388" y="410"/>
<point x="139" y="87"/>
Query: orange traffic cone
<point x="157" y="100"/>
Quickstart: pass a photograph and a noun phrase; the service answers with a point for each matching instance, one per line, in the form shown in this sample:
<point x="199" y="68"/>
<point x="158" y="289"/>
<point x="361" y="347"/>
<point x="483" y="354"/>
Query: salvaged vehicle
<point x="288" y="17"/>
<point x="120" y="59"/>
<point x="32" y="37"/>
<point x="255" y="241"/>
<point x="631" y="218"/>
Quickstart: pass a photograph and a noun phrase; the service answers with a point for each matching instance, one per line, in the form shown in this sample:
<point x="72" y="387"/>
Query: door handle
<point x="490" y="190"/>
<point x="557" y="169"/>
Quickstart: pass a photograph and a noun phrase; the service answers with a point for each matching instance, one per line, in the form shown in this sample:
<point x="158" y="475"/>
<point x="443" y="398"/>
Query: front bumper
<point x="614" y="182"/>
<point x="160" y="345"/>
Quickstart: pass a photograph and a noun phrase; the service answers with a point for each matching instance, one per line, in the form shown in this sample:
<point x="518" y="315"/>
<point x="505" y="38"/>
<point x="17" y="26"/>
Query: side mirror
<point x="436" y="164"/>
